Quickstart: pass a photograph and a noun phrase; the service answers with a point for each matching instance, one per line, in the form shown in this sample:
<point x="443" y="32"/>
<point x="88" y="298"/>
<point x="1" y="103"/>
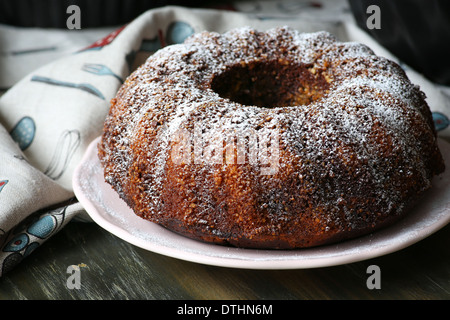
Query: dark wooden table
<point x="110" y="268"/>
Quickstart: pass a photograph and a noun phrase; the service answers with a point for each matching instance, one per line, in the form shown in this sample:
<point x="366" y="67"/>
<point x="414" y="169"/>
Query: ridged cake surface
<point x="274" y="139"/>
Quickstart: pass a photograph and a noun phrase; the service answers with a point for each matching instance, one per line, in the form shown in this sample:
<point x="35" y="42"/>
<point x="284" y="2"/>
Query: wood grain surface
<point x="111" y="268"/>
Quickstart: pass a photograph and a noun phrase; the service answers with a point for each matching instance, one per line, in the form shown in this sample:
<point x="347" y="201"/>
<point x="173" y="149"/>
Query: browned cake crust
<point x="270" y="139"/>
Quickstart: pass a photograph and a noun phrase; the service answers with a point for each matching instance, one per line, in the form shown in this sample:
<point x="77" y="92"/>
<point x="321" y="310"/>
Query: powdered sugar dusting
<point x="367" y="134"/>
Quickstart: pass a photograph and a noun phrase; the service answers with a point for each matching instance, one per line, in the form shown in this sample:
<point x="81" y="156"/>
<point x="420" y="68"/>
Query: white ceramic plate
<point x="106" y="208"/>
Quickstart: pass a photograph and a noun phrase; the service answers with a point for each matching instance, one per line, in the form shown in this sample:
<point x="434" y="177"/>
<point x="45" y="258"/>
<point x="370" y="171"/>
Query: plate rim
<point x="238" y="258"/>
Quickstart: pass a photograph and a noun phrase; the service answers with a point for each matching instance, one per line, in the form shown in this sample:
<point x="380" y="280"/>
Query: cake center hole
<point x="271" y="84"/>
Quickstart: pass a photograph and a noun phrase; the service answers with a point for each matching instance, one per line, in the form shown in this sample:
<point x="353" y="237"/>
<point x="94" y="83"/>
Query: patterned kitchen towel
<point x="50" y="116"/>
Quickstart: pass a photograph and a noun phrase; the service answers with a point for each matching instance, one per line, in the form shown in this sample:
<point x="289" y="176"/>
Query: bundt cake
<point x="274" y="139"/>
